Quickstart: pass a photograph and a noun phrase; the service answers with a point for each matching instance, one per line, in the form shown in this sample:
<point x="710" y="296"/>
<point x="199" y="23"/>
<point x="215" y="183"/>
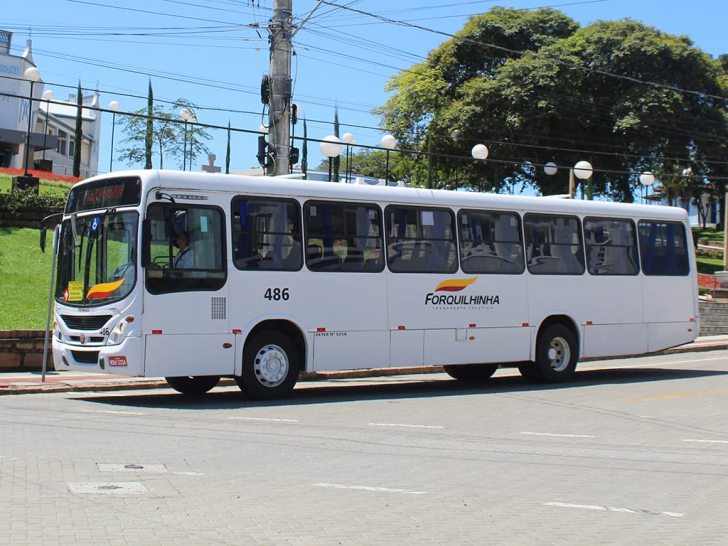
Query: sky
<point x="215" y="53"/>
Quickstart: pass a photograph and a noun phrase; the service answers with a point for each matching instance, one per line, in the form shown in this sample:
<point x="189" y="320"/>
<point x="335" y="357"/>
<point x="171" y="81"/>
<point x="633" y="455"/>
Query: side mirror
<point x="43" y="233"/>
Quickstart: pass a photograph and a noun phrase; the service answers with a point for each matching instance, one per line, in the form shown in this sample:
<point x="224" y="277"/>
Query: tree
<point x="78" y="133"/>
<point x="167" y="136"/>
<point x="149" y="136"/>
<point x="559" y="101"/>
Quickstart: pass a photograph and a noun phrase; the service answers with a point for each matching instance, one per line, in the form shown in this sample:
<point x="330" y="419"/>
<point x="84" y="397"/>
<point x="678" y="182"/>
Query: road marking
<point x="114" y="412"/>
<point x="614" y="509"/>
<point x="265" y="419"/>
<point x="402" y="425"/>
<point x="681" y="395"/>
<point x="370" y="488"/>
<point x="559" y="435"/>
<point x="708" y="441"/>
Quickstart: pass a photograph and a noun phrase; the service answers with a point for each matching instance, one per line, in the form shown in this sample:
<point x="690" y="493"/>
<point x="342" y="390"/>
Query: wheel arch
<point x="564" y="320"/>
<point x="287" y="327"/>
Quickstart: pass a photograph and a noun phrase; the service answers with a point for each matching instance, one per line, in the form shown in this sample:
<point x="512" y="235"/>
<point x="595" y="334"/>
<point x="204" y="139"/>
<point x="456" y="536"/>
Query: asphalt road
<point x="634" y="452"/>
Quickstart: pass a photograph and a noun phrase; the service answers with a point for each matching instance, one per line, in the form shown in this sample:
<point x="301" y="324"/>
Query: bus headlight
<point x="121" y="330"/>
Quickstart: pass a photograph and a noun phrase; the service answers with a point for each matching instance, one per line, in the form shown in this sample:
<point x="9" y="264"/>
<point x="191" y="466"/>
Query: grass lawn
<point x="26" y="273"/>
<point x="709" y="266"/>
<point x="708" y="234"/>
<point x="47" y="187"/>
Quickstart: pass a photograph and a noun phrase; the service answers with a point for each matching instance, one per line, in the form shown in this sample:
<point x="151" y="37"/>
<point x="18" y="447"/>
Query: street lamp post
<point x="583" y="171"/>
<point x="388" y="143"/>
<point x="48" y="96"/>
<point x="348" y="139"/>
<point x="114" y="107"/>
<point x="32" y="75"/>
<point x="647" y="179"/>
<point x="189" y="117"/>
<point x="331" y="148"/>
<point x="480" y="153"/>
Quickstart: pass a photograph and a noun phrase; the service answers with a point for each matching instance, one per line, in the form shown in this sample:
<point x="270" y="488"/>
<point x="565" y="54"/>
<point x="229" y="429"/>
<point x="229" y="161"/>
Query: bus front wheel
<point x="471" y="372"/>
<point x="557" y="352"/>
<point x="271" y="364"/>
<point x="193" y="386"/>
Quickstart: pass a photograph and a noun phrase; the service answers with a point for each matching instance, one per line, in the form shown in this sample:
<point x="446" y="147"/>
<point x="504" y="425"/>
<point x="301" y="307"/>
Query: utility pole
<point x="280" y="85"/>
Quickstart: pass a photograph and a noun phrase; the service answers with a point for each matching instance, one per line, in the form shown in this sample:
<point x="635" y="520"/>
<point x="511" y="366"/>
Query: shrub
<point x="19" y="200"/>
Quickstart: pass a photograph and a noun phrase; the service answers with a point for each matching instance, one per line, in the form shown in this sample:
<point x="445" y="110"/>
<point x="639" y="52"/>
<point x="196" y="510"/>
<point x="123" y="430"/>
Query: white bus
<point x="194" y="277"/>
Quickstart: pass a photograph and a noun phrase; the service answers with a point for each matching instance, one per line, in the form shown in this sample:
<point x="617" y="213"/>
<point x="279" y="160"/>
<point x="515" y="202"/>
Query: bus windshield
<point x="97" y="258"/>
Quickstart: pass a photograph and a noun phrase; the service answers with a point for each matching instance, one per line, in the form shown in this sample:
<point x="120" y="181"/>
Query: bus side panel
<point x="613" y="321"/>
<point x="669" y="311"/>
<point x="445" y="307"/>
<point x="604" y="340"/>
<point x="350" y="350"/>
<point x="406" y="348"/>
<point x="476" y="345"/>
<point x="184" y="354"/>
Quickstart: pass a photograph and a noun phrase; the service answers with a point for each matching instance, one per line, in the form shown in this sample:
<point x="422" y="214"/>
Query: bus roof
<point x="168" y="180"/>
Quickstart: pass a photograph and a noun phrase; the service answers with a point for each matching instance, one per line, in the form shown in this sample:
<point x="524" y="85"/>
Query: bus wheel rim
<point x="559" y="354"/>
<point x="271" y="366"/>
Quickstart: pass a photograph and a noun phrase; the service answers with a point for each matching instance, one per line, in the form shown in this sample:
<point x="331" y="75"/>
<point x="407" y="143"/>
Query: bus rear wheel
<point x="193" y="386"/>
<point x="557" y="352"/>
<point x="471" y="372"/>
<point x="271" y="364"/>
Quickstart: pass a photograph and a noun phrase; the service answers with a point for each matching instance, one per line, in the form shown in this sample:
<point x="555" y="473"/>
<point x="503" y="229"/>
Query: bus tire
<point x="193" y="386"/>
<point x="271" y="364"/>
<point x="557" y="352"/>
<point x="471" y="372"/>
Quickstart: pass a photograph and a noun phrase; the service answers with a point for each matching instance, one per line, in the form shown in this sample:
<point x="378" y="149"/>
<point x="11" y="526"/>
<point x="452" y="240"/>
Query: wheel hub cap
<point x="271" y="365"/>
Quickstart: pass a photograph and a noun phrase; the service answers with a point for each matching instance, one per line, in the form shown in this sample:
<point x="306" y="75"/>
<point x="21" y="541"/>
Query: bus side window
<point x="663" y="248"/>
<point x="421" y="240"/>
<point x="491" y="242"/>
<point x="553" y="244"/>
<point x="343" y="237"/>
<point x="611" y="246"/>
<point x="186" y="246"/>
<point x="266" y="234"/>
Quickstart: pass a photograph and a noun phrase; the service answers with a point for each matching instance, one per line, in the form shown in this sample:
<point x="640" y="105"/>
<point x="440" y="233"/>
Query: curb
<point x="96" y="385"/>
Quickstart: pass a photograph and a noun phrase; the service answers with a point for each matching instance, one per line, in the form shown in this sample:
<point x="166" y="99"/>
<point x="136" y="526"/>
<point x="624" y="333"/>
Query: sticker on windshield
<point x="74" y="292"/>
<point x="103" y="290"/>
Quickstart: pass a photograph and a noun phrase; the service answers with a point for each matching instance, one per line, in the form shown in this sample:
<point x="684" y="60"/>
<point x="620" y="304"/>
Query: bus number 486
<point x="276" y="294"/>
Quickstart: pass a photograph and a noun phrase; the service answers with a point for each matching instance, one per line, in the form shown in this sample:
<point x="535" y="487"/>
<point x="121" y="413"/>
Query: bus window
<point x="421" y="240"/>
<point x="553" y="244"/>
<point x="490" y="242"/>
<point x="185" y="246"/>
<point x="663" y="248"/>
<point x="343" y="237"/>
<point x="266" y="234"/>
<point x="611" y="246"/>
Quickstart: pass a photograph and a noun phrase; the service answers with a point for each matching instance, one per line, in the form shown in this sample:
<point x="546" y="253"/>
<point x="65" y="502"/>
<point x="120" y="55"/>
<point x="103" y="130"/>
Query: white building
<point x="52" y="122"/>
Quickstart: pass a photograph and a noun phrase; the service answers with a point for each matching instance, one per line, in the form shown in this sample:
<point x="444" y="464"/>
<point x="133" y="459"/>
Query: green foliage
<point x="149" y="134"/>
<point x="26" y="272"/>
<point x="19" y="200"/>
<point x="559" y="98"/>
<point x="169" y="137"/>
